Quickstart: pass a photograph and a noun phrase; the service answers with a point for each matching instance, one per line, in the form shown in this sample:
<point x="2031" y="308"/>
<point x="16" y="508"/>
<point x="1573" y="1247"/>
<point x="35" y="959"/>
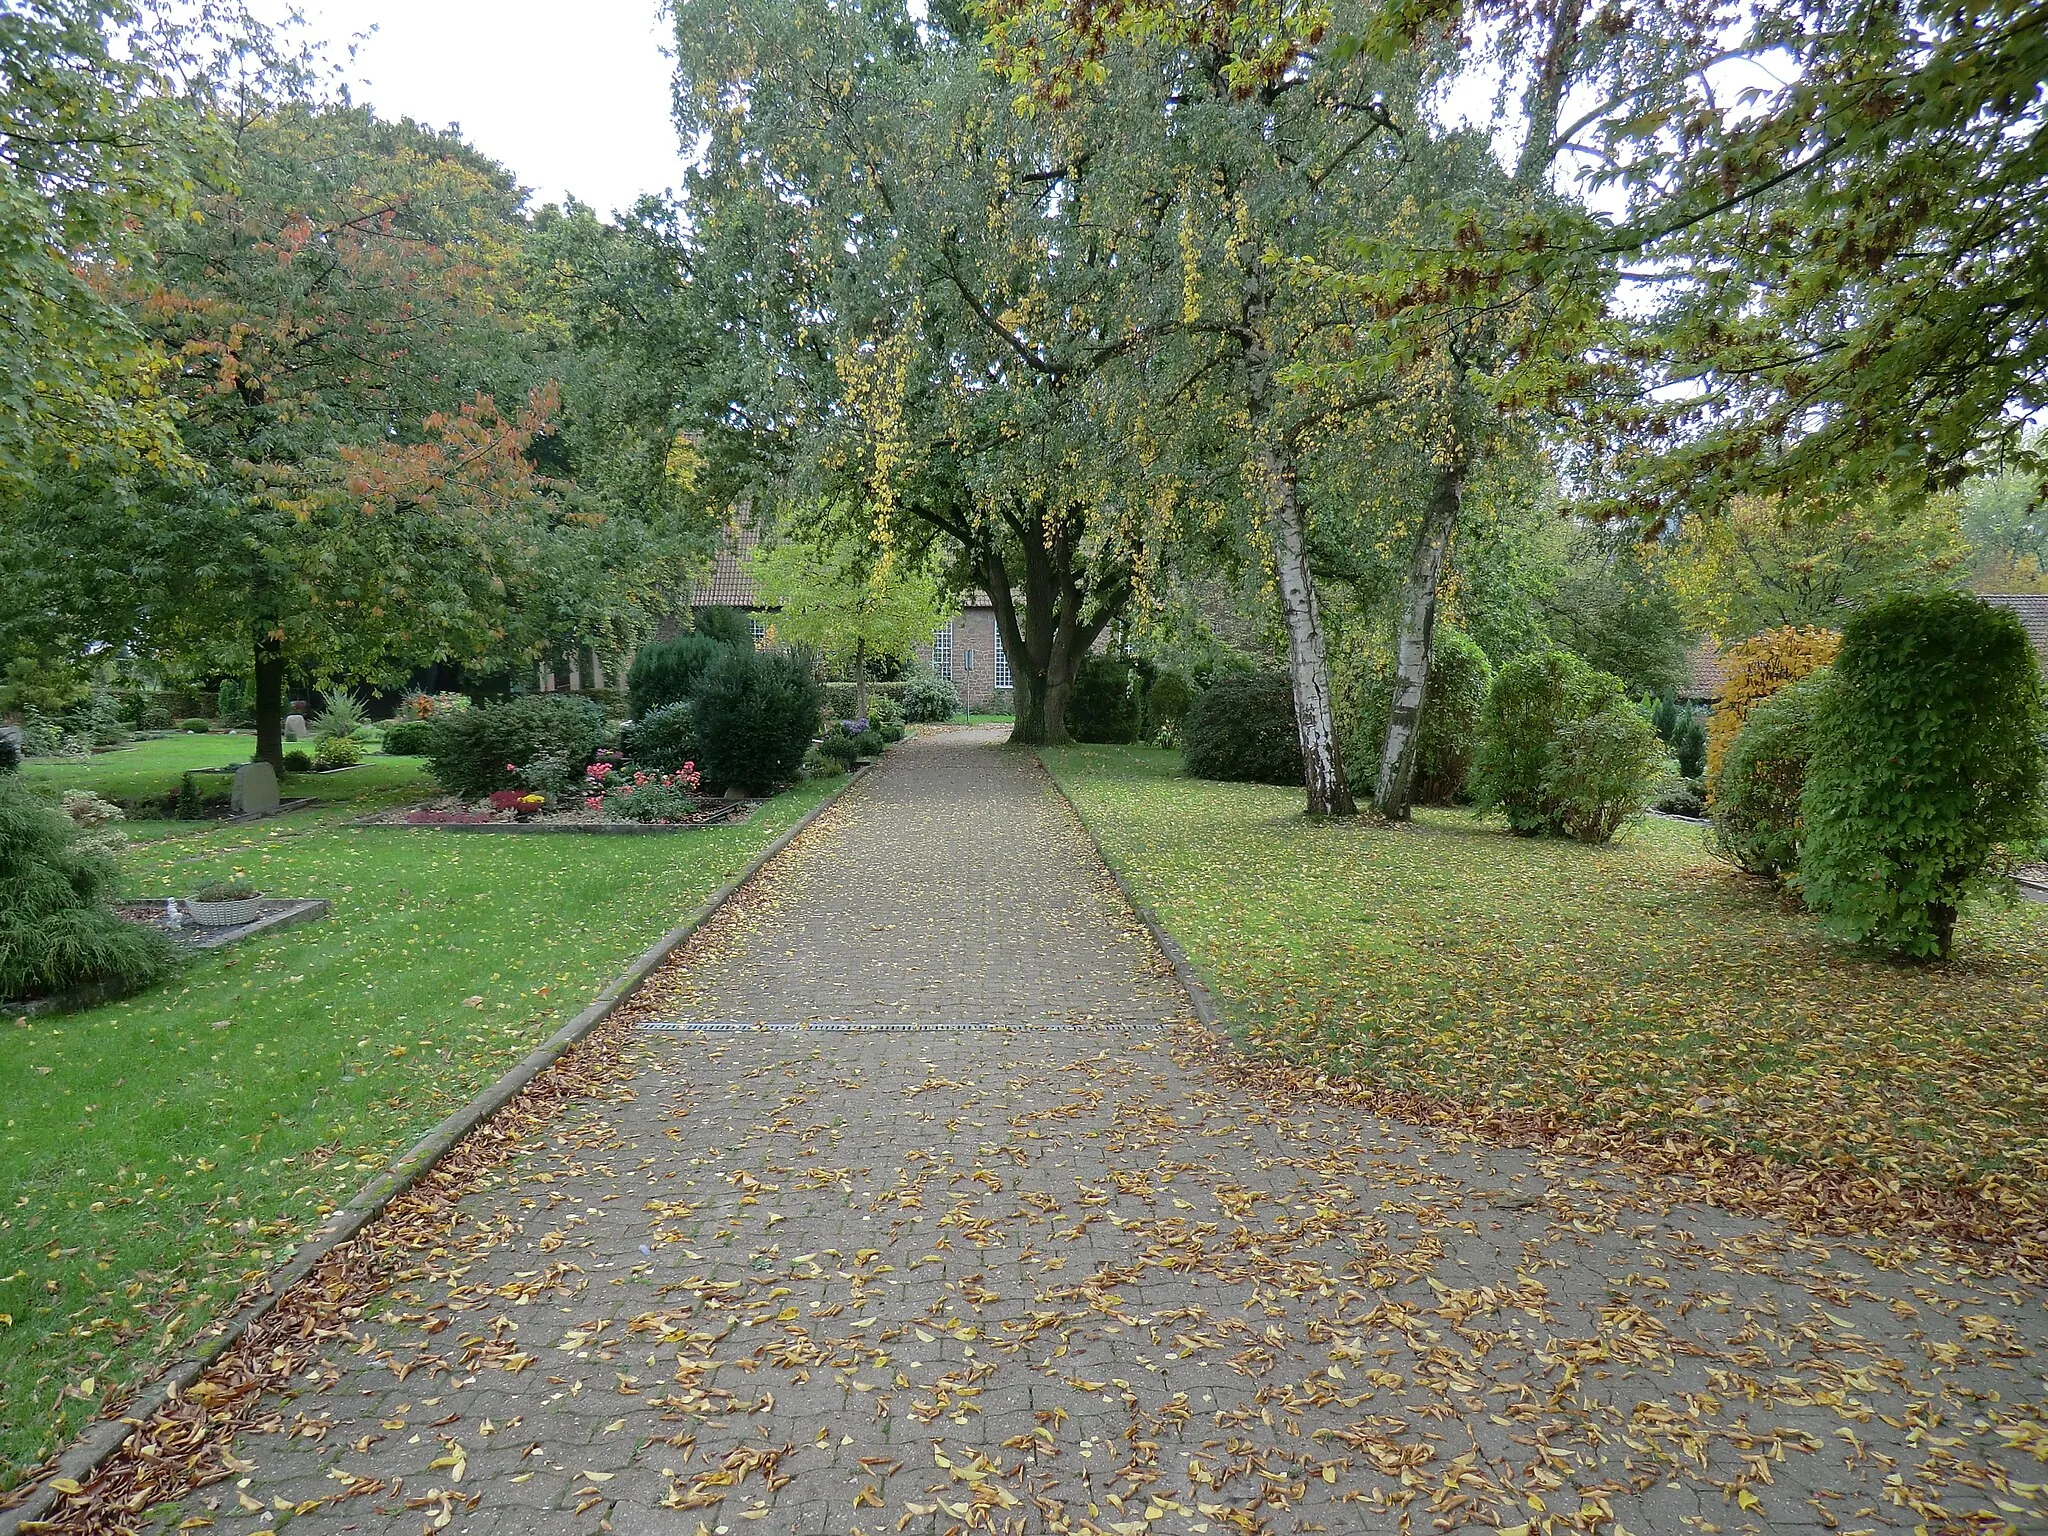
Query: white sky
<point x="572" y="95"/>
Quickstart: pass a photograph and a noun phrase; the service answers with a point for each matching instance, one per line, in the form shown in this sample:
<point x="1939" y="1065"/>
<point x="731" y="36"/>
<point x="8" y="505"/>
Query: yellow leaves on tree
<point x="1756" y="669"/>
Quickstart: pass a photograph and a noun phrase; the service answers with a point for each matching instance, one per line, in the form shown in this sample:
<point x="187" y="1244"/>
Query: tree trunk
<point x="1047" y="643"/>
<point x="1416" y="646"/>
<point x="860" y="679"/>
<point x="269" y="698"/>
<point x="1322" y="768"/>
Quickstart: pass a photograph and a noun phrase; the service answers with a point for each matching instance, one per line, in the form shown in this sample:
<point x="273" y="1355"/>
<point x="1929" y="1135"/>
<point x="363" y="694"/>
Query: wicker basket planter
<point x="224" y="914"/>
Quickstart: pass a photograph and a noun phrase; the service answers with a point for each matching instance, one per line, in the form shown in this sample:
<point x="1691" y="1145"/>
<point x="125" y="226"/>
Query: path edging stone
<point x="1199" y="996"/>
<point x="98" y="1443"/>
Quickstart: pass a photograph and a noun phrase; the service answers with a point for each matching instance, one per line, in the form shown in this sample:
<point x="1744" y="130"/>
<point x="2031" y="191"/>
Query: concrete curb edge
<point x="1199" y="996"/>
<point x="102" y="1439"/>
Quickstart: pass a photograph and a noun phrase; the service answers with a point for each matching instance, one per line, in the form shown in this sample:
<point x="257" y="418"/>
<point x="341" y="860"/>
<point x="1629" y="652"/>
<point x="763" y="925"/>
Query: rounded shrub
<point x="296" y="761"/>
<point x="196" y="726"/>
<point x="726" y="626"/>
<point x="756" y="712"/>
<point x="1756" y="807"/>
<point x="1561" y="749"/>
<point x="929" y="698"/>
<point x="1927" y="764"/>
<point x="338" y="751"/>
<point x="1106" y="704"/>
<point x="1752" y="672"/>
<point x="1167" y="703"/>
<point x="667" y="672"/>
<point x="57" y="933"/>
<point x="1242" y="728"/>
<point x="885" y="716"/>
<point x="478" y="750"/>
<point x="153" y="717"/>
<point x="662" y="740"/>
<point x="410" y="738"/>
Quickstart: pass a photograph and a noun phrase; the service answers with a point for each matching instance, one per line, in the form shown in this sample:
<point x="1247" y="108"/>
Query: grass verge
<point x="1641" y="998"/>
<point x="160" y="1152"/>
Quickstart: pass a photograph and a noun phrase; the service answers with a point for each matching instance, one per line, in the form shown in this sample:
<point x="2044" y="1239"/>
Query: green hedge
<point x="1107" y="702"/>
<point x="470" y="749"/>
<point x="1927" y="765"/>
<point x="1242" y="728"/>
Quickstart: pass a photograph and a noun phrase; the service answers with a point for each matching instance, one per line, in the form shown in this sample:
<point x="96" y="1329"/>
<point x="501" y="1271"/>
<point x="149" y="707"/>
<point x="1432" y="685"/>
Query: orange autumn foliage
<point x="1756" y="669"/>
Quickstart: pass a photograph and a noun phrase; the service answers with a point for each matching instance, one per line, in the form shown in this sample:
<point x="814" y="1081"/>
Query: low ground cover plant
<point x="1241" y="727"/>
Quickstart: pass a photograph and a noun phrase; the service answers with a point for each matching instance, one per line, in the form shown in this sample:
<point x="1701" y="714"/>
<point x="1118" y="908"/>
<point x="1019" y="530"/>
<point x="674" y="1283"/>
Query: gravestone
<point x="295" y="728"/>
<point x="255" y="792"/>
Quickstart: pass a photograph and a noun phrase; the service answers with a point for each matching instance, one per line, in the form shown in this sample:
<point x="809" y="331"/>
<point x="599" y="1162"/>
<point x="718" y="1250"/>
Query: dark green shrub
<point x="153" y="717"/>
<point x="196" y="726"/>
<point x="1561" y="749"/>
<point x="1459" y="675"/>
<point x="1684" y="730"/>
<point x="235" y="706"/>
<point x="929" y="698"/>
<point x="869" y="744"/>
<point x="470" y="750"/>
<point x="756" y="712"/>
<point x="839" y="747"/>
<point x="885" y="715"/>
<point x="1167" y="703"/>
<point x="1683" y="797"/>
<point x="1242" y="728"/>
<point x="1107" y="703"/>
<point x="1756" y="803"/>
<point x="202" y="795"/>
<point x="410" y="738"/>
<point x="667" y="672"/>
<point x="10" y="753"/>
<point x="662" y="740"/>
<point x="57" y="933"/>
<point x="1927" y="764"/>
<point x="727" y="626"/>
<point x="296" y="761"/>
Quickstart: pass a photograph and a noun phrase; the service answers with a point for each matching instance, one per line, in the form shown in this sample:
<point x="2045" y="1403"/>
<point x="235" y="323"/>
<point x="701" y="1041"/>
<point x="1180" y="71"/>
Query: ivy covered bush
<point x="57" y="933"/>
<point x="668" y="671"/>
<point x="1927" y="765"/>
<point x="1242" y="728"/>
<point x="929" y="698"/>
<point x="478" y="750"/>
<point x="1563" y="751"/>
<point x="756" y="713"/>
<point x="1756" y="808"/>
<point x="1107" y="703"/>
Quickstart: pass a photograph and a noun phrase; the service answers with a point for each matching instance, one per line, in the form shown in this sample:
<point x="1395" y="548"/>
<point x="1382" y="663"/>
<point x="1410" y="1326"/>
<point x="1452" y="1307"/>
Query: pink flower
<point x="511" y="767"/>
<point x="593" y="802"/>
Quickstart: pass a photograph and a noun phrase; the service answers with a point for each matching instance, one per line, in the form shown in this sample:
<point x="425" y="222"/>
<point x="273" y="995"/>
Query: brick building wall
<point x="968" y="652"/>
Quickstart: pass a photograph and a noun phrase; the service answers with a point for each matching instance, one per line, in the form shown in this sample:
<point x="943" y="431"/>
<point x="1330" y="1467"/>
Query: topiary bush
<point x="1756" y="807"/>
<point x="929" y="698"/>
<point x="1241" y="728"/>
<point x="482" y="749"/>
<point x="338" y="751"/>
<point x="662" y="740"/>
<point x="57" y="933"/>
<point x="1561" y="749"/>
<point x="1927" y="765"/>
<point x="1756" y="669"/>
<point x="1167" y="703"/>
<point x="196" y="726"/>
<point x="756" y="713"/>
<point x="1107" y="703"/>
<point x="667" y="672"/>
<point x="410" y="737"/>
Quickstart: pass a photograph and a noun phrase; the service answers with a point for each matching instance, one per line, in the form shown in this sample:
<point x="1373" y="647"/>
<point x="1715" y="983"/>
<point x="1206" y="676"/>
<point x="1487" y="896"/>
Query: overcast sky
<point x="573" y="95"/>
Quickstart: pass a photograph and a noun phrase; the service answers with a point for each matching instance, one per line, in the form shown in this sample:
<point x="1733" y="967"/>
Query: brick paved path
<point x="1057" y="1278"/>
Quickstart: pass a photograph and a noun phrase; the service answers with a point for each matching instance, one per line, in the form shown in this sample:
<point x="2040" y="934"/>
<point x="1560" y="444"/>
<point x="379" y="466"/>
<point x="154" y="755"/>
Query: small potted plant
<point x="225" y="903"/>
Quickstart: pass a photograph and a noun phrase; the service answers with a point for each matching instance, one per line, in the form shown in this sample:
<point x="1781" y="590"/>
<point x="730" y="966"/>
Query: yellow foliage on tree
<point x="1756" y="669"/>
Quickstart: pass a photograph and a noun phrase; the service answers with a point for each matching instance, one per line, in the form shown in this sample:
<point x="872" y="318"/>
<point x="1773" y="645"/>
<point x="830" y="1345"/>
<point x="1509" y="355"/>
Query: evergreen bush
<point x="727" y="626"/>
<point x="410" y="738"/>
<point x="1562" y="751"/>
<point x="57" y="933"/>
<point x="196" y="726"/>
<point x="338" y="751"/>
<point x="297" y="761"/>
<point x="1684" y="729"/>
<point x="1927" y="766"/>
<point x="667" y="672"/>
<point x="885" y="715"/>
<point x="1241" y="728"/>
<point x="662" y="740"/>
<point x="1167" y="703"/>
<point x="470" y="751"/>
<point x="1107" y="704"/>
<point x="929" y="698"/>
<point x="1756" y="807"/>
<point x="756" y="713"/>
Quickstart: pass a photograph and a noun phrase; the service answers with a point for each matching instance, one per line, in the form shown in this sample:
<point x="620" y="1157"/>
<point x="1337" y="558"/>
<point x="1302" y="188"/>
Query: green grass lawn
<point x="158" y="1152"/>
<point x="1638" y="989"/>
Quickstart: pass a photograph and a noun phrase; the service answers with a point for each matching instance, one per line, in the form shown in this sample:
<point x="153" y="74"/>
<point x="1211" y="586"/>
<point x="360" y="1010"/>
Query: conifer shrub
<point x="1756" y="669"/>
<point x="727" y="626"/>
<point x="662" y="740"/>
<point x="1563" y="751"/>
<point x="1107" y="702"/>
<point x="1756" y="810"/>
<point x="756" y="713"/>
<point x="1241" y="728"/>
<point x="478" y="750"/>
<point x="1926" y="769"/>
<point x="57" y="933"/>
<point x="667" y="672"/>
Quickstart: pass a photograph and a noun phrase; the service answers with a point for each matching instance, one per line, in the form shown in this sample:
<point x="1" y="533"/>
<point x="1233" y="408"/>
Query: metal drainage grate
<point x="876" y="1027"/>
